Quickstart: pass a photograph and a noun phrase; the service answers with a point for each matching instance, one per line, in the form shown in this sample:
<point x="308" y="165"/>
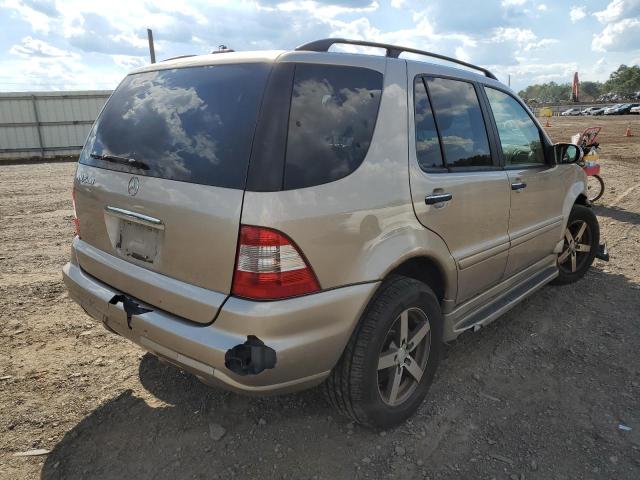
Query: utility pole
<point x="509" y="81"/>
<point x="152" y="50"/>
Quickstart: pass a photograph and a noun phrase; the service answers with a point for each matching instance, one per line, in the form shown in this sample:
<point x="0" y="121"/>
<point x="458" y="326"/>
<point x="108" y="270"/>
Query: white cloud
<point x="31" y="47"/>
<point x="39" y="21"/>
<point x="617" y="10"/>
<point x="76" y="41"/>
<point x="621" y="36"/>
<point x="128" y="62"/>
<point x="600" y="66"/>
<point x="423" y="35"/>
<point x="544" y="72"/>
<point x="622" y="27"/>
<point x="540" y="44"/>
<point x="55" y="73"/>
<point x="461" y="54"/>
<point x="324" y="10"/>
<point x="518" y="35"/>
<point x="577" y="13"/>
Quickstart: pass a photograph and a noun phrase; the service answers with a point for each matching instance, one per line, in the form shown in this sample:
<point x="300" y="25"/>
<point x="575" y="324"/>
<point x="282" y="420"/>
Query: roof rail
<point x="179" y="56"/>
<point x="393" y="51"/>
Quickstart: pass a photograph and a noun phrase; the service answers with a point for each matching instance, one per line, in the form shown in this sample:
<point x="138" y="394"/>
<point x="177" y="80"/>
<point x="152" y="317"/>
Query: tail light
<point x="270" y="266"/>
<point x="76" y="222"/>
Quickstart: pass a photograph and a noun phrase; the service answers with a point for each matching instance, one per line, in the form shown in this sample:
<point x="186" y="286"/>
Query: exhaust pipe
<point x="250" y="358"/>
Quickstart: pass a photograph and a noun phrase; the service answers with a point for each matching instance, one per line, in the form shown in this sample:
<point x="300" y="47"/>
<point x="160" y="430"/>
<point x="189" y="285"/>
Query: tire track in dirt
<point x="624" y="195"/>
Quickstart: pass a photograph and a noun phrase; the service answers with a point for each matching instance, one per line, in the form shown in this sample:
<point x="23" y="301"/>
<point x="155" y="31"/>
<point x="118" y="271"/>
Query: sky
<point x="82" y="45"/>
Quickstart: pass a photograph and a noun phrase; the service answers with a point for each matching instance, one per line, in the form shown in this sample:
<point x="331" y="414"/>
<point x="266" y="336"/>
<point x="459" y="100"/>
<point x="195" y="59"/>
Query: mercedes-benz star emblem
<point x="134" y="185"/>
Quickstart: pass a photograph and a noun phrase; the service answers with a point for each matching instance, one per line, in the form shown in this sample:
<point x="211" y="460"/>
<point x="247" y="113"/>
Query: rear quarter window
<point x="331" y="121"/>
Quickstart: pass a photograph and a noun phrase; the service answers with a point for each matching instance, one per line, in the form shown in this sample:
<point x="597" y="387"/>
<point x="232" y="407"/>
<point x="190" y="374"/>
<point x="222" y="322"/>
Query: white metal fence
<point x="47" y="124"/>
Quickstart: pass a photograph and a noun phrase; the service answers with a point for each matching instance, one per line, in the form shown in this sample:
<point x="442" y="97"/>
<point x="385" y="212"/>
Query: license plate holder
<point x="138" y="241"/>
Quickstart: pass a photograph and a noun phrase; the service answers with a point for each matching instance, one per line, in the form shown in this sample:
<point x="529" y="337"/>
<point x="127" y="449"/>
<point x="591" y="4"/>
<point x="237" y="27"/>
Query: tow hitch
<point x="130" y="307"/>
<point x="603" y="253"/>
<point x="250" y="358"/>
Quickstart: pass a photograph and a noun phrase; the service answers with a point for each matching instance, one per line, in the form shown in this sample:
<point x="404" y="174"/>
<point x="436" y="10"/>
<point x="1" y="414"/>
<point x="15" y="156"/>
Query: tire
<point x="574" y="261"/>
<point x="595" y="186"/>
<point x="355" y="385"/>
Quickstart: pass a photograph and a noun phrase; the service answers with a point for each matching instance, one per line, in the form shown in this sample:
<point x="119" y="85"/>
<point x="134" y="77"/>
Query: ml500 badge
<point x="85" y="179"/>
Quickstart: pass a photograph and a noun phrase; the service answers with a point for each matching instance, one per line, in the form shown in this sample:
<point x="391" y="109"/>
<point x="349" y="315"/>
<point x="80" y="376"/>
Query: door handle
<point x="518" y="186"/>
<point x="437" y="198"/>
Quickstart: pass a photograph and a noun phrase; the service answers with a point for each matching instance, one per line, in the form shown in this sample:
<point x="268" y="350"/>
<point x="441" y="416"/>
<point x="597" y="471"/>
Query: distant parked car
<point x="626" y="108"/>
<point x="598" y="111"/>
<point x="587" y="111"/>
<point x="613" y="110"/>
<point x="571" y="112"/>
<point x="635" y="110"/>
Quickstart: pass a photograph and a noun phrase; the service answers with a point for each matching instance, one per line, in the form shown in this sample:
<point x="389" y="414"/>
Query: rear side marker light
<point x="76" y="222"/>
<point x="270" y="266"/>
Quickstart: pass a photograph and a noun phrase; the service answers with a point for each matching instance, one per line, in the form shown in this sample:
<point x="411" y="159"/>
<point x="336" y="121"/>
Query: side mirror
<point x="567" y="153"/>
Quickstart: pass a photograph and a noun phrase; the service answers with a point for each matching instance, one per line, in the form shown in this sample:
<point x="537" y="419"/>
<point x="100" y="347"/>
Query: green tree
<point x="547" y="92"/>
<point x="624" y="81"/>
<point x="590" y="91"/>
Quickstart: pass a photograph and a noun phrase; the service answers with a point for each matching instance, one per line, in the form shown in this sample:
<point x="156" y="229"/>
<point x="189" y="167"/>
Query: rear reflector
<point x="270" y="266"/>
<point x="76" y="223"/>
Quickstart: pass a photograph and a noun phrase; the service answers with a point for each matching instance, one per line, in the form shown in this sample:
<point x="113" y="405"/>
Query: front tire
<point x="581" y="241"/>
<point x="389" y="363"/>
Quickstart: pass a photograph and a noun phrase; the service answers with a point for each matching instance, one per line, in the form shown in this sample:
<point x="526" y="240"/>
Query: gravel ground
<point x="540" y="393"/>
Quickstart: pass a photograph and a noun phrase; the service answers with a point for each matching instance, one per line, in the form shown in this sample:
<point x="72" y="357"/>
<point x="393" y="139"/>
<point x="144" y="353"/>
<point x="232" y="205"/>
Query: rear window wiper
<point x="132" y="162"/>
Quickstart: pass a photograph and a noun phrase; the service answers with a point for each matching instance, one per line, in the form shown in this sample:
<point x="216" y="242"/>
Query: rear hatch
<point x="160" y="183"/>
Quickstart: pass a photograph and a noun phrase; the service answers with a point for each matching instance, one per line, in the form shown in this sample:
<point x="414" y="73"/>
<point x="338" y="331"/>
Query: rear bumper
<point x="307" y="333"/>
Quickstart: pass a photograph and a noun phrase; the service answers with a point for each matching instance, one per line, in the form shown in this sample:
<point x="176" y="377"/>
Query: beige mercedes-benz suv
<point x="271" y="221"/>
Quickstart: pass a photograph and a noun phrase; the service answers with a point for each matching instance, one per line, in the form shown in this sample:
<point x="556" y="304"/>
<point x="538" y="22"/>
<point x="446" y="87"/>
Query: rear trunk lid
<point x="160" y="183"/>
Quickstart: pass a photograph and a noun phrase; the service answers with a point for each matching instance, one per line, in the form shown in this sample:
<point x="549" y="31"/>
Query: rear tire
<point x="389" y="363"/>
<point x="581" y="241"/>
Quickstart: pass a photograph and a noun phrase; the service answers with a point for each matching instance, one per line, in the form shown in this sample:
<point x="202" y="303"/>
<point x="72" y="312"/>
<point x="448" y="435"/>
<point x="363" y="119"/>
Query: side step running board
<point x="504" y="303"/>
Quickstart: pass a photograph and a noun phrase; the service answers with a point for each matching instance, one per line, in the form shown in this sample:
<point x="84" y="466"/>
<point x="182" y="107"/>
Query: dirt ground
<point x="538" y="394"/>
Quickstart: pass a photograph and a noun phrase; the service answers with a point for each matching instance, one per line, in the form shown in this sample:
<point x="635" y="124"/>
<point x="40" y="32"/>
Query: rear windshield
<point x="190" y="124"/>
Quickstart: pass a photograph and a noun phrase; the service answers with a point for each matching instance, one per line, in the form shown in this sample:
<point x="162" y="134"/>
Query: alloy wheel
<point x="577" y="245"/>
<point x="404" y="356"/>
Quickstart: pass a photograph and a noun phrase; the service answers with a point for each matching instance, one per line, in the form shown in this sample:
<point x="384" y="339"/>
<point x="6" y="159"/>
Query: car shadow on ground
<point x="619" y="214"/>
<point x="173" y="431"/>
<point x="175" y="434"/>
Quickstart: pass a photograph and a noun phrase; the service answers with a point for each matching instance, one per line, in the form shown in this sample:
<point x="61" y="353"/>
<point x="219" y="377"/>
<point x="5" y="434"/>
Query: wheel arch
<point x="576" y="195"/>
<point x="426" y="270"/>
<point x="582" y="199"/>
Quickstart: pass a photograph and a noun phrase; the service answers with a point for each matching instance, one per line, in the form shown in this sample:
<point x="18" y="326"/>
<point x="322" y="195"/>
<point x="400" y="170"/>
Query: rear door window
<point x="331" y="122"/>
<point x="190" y="124"/>
<point x="460" y="123"/>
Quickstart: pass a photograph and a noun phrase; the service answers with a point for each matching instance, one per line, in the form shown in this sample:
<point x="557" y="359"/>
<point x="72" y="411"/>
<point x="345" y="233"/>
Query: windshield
<point x="190" y="124"/>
